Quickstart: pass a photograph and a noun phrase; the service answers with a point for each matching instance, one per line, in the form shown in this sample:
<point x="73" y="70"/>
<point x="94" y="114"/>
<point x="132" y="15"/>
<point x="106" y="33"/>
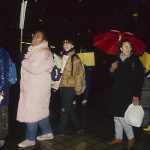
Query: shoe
<point x="79" y="131"/>
<point x="74" y="102"/>
<point x="131" y="143"/>
<point x="26" y="143"/>
<point x="61" y="134"/>
<point x="84" y="101"/>
<point x="2" y="142"/>
<point x="114" y="141"/>
<point x="45" y="137"/>
<point x="147" y="128"/>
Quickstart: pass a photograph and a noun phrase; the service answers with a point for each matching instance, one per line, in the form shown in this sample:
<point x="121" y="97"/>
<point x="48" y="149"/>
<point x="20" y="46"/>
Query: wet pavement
<point x="98" y="130"/>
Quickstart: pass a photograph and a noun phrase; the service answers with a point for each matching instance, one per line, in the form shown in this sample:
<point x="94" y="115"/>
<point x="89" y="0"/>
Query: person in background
<point x="4" y="95"/>
<point x="128" y="74"/>
<point x="88" y="79"/>
<point x="71" y="84"/>
<point x="145" y="101"/>
<point x="35" y="87"/>
<point x="87" y="83"/>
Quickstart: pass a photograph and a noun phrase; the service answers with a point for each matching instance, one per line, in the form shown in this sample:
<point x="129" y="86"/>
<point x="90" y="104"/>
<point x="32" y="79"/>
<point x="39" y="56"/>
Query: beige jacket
<point x="73" y="78"/>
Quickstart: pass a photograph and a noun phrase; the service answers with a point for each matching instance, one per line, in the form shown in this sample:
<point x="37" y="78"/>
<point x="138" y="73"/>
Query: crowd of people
<point x="36" y="83"/>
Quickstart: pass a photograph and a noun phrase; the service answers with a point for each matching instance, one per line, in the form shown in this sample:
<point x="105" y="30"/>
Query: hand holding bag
<point x="134" y="115"/>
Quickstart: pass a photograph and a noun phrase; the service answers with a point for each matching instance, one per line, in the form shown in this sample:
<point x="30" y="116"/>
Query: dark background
<point x="79" y="20"/>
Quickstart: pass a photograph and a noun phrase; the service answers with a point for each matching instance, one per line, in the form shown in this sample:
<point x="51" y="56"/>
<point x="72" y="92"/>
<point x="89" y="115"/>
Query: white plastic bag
<point x="134" y="115"/>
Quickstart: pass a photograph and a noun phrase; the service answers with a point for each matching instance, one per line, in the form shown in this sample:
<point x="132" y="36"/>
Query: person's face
<point x="126" y="48"/>
<point x="67" y="46"/>
<point x="37" y="38"/>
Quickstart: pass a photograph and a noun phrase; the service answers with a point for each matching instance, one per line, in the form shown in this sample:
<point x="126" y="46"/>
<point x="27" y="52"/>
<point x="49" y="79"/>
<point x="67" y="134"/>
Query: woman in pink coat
<point x="35" y="87"/>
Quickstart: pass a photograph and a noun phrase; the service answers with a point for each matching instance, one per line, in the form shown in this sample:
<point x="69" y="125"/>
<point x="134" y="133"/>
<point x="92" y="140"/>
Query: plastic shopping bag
<point x="134" y="115"/>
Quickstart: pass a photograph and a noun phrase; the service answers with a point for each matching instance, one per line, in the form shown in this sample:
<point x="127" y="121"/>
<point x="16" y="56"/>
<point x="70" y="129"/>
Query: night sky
<point x="75" y="19"/>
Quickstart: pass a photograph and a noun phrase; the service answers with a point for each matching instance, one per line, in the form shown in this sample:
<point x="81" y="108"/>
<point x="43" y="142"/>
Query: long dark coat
<point x="127" y="82"/>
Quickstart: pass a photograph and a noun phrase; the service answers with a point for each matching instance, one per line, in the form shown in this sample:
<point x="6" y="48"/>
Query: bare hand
<point x="114" y="66"/>
<point x="135" y="101"/>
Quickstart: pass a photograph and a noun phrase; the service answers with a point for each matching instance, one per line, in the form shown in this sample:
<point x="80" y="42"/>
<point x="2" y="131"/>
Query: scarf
<point x="124" y="57"/>
<point x="67" y="52"/>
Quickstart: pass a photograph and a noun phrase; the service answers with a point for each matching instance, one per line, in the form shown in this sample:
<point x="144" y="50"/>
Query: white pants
<point x="121" y="125"/>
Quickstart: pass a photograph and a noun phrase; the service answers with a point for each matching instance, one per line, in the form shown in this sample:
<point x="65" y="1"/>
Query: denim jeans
<point x="67" y="95"/>
<point x="32" y="128"/>
<point x="121" y="125"/>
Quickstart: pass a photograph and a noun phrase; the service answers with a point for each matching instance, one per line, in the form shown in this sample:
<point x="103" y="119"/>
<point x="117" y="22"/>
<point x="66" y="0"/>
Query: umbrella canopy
<point x="108" y="42"/>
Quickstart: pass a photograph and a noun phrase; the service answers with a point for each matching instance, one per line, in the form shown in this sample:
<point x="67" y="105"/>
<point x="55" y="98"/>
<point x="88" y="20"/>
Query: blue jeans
<point x="32" y="128"/>
<point x="121" y="125"/>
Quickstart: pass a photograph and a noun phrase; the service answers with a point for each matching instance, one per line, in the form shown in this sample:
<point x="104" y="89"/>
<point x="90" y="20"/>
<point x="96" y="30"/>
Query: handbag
<point x="134" y="115"/>
<point x="56" y="74"/>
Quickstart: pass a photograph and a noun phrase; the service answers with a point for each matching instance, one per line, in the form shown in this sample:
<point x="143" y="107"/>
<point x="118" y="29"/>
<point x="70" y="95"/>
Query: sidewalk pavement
<point x="98" y="130"/>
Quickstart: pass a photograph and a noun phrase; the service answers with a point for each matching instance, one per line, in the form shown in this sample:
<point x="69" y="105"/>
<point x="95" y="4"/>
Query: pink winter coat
<point x="35" y="84"/>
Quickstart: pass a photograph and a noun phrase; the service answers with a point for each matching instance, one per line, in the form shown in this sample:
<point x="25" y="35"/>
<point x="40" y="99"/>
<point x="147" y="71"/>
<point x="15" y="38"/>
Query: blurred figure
<point x="35" y="87"/>
<point x="88" y="79"/>
<point x="145" y="101"/>
<point x="4" y="94"/>
<point x="145" y="98"/>
<point x="71" y="84"/>
<point x="128" y="74"/>
<point x="88" y="71"/>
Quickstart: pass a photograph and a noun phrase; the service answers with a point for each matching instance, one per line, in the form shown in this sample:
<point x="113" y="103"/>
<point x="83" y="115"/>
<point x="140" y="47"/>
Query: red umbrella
<point x="109" y="42"/>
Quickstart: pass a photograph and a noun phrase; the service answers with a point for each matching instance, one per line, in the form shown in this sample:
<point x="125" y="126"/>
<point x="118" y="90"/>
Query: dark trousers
<point x="67" y="95"/>
<point x="3" y="121"/>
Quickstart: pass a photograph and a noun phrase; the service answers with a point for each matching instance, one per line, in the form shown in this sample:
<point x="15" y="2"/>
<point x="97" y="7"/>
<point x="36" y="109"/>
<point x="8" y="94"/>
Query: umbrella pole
<point x="21" y="39"/>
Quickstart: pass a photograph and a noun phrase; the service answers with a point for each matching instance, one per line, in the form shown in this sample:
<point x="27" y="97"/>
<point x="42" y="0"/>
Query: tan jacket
<point x="73" y="78"/>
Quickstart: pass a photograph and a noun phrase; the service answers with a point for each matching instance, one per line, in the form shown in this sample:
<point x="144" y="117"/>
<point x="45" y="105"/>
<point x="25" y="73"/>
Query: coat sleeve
<point x="138" y="78"/>
<point x="39" y="65"/>
<point x="79" y="76"/>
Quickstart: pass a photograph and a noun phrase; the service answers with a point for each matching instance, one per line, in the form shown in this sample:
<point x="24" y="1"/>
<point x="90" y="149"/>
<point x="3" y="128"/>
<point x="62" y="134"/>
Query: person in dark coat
<point x="128" y="74"/>
<point x="4" y="94"/>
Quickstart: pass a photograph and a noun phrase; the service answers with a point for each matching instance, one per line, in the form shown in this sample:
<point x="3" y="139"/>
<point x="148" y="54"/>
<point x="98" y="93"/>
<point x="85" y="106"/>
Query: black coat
<point x="127" y="82"/>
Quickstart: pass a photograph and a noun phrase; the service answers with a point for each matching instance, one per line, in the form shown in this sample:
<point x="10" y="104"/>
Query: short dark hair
<point x="44" y="34"/>
<point x="68" y="41"/>
<point x="123" y="41"/>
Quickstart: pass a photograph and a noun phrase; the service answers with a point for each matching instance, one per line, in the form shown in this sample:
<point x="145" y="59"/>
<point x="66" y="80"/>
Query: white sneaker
<point x="45" y="137"/>
<point x="2" y="142"/>
<point x="26" y="143"/>
<point x="74" y="102"/>
<point x="84" y="101"/>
